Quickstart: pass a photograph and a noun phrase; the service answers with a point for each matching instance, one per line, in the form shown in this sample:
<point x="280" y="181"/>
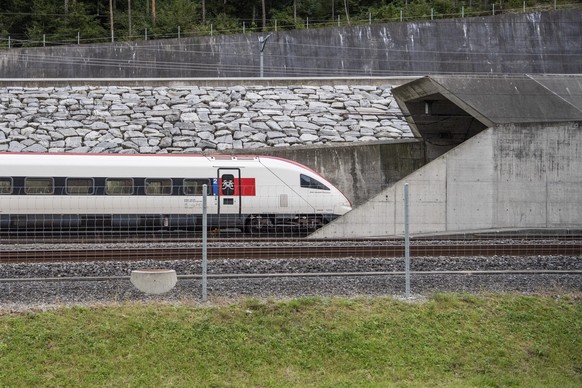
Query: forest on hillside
<point x="42" y="22"/>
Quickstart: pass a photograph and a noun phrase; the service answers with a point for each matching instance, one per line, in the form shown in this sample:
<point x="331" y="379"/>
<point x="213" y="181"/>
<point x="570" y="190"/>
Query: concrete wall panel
<point x="373" y="218"/>
<point x="510" y="176"/>
<point x="428" y="198"/>
<point x="564" y="207"/>
<point x="544" y="42"/>
<point x="471" y="189"/>
<point x="521" y="205"/>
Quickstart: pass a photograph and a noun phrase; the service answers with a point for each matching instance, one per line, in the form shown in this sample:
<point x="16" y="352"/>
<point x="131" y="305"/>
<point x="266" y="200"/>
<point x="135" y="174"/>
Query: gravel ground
<point x="20" y="289"/>
<point x="226" y="243"/>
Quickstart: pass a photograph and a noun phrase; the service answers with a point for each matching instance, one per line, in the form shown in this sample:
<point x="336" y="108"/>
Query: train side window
<point x="158" y="186"/>
<point x="194" y="186"/>
<point x="5" y="186"/>
<point x="39" y="186"/>
<point x="311" y="183"/>
<point x="80" y="186"/>
<point x="119" y="186"/>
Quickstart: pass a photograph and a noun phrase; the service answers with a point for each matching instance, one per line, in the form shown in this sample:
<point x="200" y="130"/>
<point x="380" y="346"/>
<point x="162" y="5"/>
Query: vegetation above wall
<point x="49" y="22"/>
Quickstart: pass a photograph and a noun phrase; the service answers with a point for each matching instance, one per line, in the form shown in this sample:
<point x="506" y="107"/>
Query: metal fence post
<point x="204" y="244"/>
<point x="406" y="242"/>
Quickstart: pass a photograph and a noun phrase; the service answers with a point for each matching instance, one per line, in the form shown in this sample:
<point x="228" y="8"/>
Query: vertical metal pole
<point x="307" y="22"/>
<point x="146" y="34"/>
<point x="178" y="32"/>
<point x="338" y="21"/>
<point x="111" y="20"/>
<point x="129" y="18"/>
<point x="406" y="242"/>
<point x="211" y="32"/>
<point x="43" y="40"/>
<point x="370" y="18"/>
<point x="78" y="37"/>
<point x="204" y="244"/>
<point x="462" y="11"/>
<point x="244" y="27"/>
<point x="262" y="43"/>
<point x="9" y="41"/>
<point x="400" y="15"/>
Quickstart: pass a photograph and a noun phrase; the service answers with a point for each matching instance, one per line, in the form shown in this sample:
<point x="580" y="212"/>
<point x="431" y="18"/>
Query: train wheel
<point x="259" y="225"/>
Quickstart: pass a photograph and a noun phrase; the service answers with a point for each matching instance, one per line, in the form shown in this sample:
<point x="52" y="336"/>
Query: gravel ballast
<point x="37" y="285"/>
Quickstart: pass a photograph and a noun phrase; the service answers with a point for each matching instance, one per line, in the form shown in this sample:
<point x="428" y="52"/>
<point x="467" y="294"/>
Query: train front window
<point x="308" y="182"/>
<point x="80" y="186"/>
<point x="194" y="186"/>
<point x="5" y="186"/>
<point x="38" y="186"/>
<point x="119" y="186"/>
<point x="158" y="186"/>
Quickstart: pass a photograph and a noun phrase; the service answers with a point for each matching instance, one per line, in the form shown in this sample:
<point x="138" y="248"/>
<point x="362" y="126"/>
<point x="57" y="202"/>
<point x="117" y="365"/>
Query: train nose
<point x="342" y="207"/>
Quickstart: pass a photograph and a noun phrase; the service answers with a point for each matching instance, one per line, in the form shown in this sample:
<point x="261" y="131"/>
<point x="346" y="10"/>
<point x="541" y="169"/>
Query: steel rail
<point x="14" y="238"/>
<point x="279" y="252"/>
<point x="304" y="275"/>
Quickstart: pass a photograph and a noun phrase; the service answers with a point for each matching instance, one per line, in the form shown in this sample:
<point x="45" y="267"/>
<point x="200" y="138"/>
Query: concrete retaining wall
<point x="511" y="176"/>
<point x="546" y="42"/>
<point x="359" y="170"/>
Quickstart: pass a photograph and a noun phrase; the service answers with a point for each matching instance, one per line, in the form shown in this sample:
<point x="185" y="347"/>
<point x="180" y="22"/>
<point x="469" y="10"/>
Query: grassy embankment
<point x="451" y="340"/>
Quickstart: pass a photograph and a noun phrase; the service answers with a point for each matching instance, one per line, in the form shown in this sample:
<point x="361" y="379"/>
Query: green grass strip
<point x="448" y="340"/>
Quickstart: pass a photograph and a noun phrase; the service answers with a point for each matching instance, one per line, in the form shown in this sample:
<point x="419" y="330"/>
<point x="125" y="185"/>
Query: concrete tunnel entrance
<point x="529" y="140"/>
<point x="447" y="110"/>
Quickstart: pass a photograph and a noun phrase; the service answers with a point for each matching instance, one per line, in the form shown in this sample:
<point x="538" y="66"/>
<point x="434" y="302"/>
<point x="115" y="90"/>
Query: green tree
<point x="15" y="16"/>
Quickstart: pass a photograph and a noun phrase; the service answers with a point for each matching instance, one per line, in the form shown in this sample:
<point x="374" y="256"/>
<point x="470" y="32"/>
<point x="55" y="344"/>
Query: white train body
<point x="106" y="190"/>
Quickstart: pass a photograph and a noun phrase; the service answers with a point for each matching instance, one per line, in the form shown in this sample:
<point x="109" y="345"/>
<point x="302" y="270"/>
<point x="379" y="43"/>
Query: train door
<point x="229" y="191"/>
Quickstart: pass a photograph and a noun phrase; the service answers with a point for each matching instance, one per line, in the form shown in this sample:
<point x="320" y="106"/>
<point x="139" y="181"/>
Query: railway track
<point x="283" y="252"/>
<point x="96" y="237"/>
<point x="305" y="275"/>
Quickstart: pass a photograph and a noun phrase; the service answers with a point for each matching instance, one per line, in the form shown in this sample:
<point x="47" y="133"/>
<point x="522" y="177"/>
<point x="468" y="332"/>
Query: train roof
<point x="45" y="163"/>
<point x="130" y="159"/>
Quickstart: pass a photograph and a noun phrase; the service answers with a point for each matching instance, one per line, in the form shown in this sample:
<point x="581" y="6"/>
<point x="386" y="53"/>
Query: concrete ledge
<point x="204" y="82"/>
<point x="154" y="281"/>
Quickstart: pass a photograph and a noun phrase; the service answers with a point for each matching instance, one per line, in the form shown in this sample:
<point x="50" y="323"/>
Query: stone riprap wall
<point x="185" y="119"/>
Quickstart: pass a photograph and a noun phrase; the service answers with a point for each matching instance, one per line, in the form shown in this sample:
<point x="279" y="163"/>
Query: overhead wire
<point x="355" y="64"/>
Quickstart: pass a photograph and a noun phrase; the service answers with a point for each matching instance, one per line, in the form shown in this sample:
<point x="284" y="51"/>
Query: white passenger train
<point x="102" y="191"/>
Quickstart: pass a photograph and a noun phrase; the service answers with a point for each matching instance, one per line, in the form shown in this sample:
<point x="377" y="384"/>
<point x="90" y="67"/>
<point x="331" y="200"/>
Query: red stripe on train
<point x="247" y="187"/>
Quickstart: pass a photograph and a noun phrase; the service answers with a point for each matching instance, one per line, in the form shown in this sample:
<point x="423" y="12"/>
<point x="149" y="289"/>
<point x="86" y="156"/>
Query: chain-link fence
<point x="40" y="39"/>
